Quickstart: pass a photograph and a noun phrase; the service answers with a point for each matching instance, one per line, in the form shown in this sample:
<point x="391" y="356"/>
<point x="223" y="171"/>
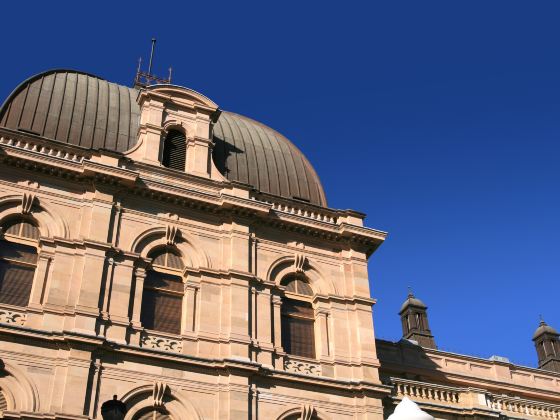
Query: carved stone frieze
<point x="301" y="366"/>
<point x="157" y="342"/>
<point x="11" y="317"/>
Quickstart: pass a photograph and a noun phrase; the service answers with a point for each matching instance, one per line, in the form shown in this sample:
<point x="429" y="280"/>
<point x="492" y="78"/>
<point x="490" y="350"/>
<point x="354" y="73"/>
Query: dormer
<point x="176" y="130"/>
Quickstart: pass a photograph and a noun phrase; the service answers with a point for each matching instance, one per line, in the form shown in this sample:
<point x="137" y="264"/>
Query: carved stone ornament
<point x="27" y="203"/>
<point x="299" y="262"/>
<point x="171" y="234"/>
<point x="300" y="366"/>
<point x="155" y="342"/>
<point x="11" y="317"/>
<point x="307" y="412"/>
<point x="158" y="393"/>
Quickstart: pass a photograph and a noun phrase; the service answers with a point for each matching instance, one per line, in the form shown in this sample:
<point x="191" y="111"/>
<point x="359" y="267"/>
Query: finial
<point x="169" y="78"/>
<point x="410" y="294"/>
<point x="542" y="320"/>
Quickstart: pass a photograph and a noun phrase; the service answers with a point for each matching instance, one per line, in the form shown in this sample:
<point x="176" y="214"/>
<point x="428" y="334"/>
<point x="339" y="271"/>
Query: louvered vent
<point x="175" y="150"/>
<point x="3" y="402"/>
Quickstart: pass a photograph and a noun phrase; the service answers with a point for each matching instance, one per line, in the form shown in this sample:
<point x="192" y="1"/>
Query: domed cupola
<point x="547" y="343"/>
<point x="84" y="110"/>
<point x="414" y="318"/>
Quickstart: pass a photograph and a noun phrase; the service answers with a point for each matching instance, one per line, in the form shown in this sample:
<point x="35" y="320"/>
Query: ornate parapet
<point x="424" y="391"/>
<point x="518" y="406"/>
<point x="304" y="367"/>
<point x="156" y="341"/>
<point x="8" y="316"/>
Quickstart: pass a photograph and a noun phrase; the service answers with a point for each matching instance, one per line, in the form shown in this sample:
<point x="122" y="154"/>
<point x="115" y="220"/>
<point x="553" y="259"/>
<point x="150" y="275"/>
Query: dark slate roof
<point x="73" y="107"/>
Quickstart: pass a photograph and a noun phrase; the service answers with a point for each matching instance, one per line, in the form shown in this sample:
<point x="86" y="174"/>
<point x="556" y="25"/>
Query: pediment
<point x="178" y="95"/>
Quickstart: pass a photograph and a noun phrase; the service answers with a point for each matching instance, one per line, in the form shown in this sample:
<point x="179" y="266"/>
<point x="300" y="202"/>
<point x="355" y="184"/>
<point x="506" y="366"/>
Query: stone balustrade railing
<point x="524" y="407"/>
<point x="38" y="147"/>
<point x="161" y="342"/>
<point x="424" y="391"/>
<point x="309" y="213"/>
<point x="305" y="367"/>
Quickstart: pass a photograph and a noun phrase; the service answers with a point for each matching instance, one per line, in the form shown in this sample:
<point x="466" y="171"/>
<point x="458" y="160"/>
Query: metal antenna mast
<point x="144" y="79"/>
<point x="152" y="56"/>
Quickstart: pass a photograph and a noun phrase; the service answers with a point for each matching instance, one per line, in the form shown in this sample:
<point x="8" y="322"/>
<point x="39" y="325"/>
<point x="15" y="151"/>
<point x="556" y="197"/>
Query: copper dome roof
<point x="74" y="107"/>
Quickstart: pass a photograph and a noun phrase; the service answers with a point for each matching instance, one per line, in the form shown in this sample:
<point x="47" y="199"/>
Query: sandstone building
<point x="184" y="259"/>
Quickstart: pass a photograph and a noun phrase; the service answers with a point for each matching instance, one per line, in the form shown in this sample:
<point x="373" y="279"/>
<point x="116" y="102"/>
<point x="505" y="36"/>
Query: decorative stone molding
<point x="521" y="406"/>
<point x="158" y="393"/>
<point x="301" y="366"/>
<point x="172" y="234"/>
<point x="11" y="317"/>
<point x="49" y="150"/>
<point x="299" y="262"/>
<point x="425" y="391"/>
<point x="317" y="214"/>
<point x="27" y="201"/>
<point x="158" y="342"/>
<point x="307" y="412"/>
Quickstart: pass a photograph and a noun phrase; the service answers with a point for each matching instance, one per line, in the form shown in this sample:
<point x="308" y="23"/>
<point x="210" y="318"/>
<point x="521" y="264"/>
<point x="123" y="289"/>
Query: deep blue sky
<point x="439" y="119"/>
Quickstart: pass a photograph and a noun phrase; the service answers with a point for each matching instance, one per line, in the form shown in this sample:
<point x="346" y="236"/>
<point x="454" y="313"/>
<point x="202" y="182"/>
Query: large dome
<point x="84" y="110"/>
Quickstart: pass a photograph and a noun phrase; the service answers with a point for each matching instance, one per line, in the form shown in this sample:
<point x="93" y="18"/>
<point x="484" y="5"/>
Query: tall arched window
<point x="162" y="296"/>
<point x="175" y="150"/>
<point x="18" y="260"/>
<point x="298" y="331"/>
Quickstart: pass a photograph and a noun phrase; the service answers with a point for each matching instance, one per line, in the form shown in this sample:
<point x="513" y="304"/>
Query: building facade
<point x="184" y="259"/>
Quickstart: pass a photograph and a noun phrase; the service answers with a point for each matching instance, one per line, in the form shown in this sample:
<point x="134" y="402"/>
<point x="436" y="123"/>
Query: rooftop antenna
<point x="152" y="56"/>
<point x="144" y="79"/>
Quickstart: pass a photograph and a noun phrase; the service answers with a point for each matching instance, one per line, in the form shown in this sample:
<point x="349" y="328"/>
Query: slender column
<point x="139" y="277"/>
<point x="277" y="325"/>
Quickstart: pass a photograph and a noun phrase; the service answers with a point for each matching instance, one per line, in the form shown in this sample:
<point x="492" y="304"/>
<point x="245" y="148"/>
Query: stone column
<point x="189" y="321"/>
<point x="139" y="277"/>
<point x="277" y="326"/>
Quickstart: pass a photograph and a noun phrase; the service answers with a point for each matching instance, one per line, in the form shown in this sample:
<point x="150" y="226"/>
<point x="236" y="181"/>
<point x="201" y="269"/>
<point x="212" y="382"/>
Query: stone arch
<point x="192" y="253"/>
<point x="171" y="124"/>
<point x="49" y="221"/>
<point x="284" y="266"/>
<point x="175" y="402"/>
<point x="20" y="392"/>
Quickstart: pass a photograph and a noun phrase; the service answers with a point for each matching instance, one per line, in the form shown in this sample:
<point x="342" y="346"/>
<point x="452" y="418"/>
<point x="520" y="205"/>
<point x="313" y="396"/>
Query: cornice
<point x="78" y="165"/>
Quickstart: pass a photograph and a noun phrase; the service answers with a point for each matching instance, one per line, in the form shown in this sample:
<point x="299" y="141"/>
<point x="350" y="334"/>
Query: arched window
<point x="162" y="296"/>
<point x="175" y="150"/>
<point x="298" y="331"/>
<point x="18" y="260"/>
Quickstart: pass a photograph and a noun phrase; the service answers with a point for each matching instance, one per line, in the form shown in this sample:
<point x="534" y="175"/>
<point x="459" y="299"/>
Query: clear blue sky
<point x="439" y="119"/>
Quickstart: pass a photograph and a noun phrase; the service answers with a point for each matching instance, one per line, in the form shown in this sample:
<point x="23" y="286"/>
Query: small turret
<point x="414" y="317"/>
<point x="547" y="344"/>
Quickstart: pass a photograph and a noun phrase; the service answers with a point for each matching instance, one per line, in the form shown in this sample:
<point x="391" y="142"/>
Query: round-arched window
<point x="18" y="261"/>
<point x="162" y="297"/>
<point x="298" y="319"/>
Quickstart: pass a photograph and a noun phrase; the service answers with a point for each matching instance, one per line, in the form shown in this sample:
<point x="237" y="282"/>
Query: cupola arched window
<point x="298" y="320"/>
<point x="162" y="297"/>
<point x="18" y="261"/>
<point x="175" y="150"/>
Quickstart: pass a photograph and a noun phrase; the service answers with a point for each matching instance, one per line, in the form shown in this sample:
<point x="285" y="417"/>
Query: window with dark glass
<point x="162" y="296"/>
<point x="298" y="320"/>
<point x="175" y="150"/>
<point x="18" y="261"/>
